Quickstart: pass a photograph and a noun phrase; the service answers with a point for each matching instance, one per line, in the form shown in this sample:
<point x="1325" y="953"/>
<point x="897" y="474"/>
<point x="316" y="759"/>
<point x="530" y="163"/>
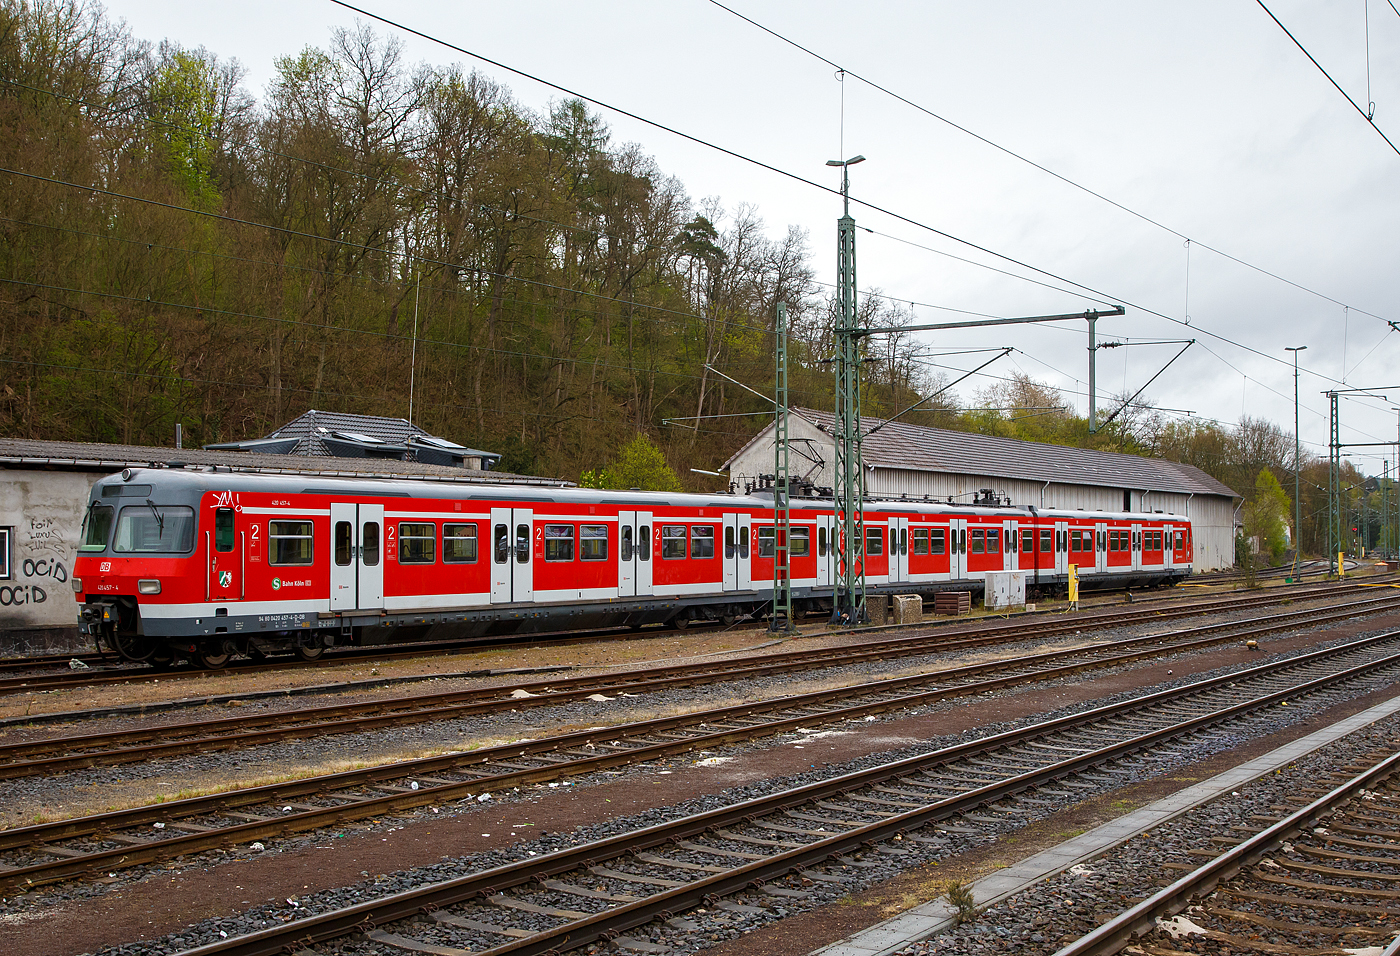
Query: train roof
<point x="194" y="481"/>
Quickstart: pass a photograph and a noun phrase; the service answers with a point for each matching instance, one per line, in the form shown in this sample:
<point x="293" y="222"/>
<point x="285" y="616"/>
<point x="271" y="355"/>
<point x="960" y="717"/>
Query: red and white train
<point x="206" y="564"/>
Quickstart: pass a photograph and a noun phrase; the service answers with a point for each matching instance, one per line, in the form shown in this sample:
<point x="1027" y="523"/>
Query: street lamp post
<point x="1297" y="465"/>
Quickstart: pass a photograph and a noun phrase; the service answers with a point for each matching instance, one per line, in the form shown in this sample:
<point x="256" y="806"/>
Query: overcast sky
<point x="1199" y="114"/>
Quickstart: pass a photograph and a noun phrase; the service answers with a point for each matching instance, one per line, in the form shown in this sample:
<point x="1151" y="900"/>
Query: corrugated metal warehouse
<point x="915" y="461"/>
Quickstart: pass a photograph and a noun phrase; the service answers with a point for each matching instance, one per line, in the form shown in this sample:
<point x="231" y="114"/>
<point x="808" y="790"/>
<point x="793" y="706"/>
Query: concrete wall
<point x="1212" y="516"/>
<point x="43" y="512"/>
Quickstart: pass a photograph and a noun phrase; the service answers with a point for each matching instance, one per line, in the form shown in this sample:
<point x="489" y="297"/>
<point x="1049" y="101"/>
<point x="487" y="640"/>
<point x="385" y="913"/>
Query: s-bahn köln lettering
<point x="207" y="564"/>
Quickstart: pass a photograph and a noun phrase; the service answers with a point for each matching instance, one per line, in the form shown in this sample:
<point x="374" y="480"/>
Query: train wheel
<point x="210" y="659"/>
<point x="681" y="621"/>
<point x="310" y="653"/>
<point x="162" y="660"/>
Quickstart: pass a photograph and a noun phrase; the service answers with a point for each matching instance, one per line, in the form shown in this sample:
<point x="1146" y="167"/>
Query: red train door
<point x="227" y="552"/>
<point x="358" y="551"/>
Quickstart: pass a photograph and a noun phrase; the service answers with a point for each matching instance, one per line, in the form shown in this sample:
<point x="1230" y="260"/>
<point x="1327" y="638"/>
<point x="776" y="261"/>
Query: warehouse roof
<point x="920" y="448"/>
<point x="87" y="456"/>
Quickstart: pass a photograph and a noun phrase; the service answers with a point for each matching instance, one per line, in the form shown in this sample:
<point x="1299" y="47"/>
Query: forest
<point x="389" y="238"/>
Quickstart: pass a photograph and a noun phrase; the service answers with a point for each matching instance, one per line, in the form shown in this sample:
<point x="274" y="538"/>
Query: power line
<point x="1367" y="116"/>
<point x="1044" y="169"/>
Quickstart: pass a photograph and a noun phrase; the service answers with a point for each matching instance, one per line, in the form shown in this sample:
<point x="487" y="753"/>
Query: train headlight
<point x="77" y="585"/>
<point x="148" y="586"/>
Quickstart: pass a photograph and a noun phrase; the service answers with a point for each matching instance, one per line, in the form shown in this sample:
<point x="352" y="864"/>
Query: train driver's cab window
<point x="223" y="529"/>
<point x="289" y="542"/>
<point x="417" y="543"/>
<point x="459" y="543"/>
<point x="593" y="542"/>
<point x="644" y="542"/>
<point x="97" y="527"/>
<point x="765" y="542"/>
<point x="344" y="543"/>
<point x="702" y="541"/>
<point x="624" y="547"/>
<point x="743" y="541"/>
<point x="921" y="541"/>
<point x="558" y="542"/>
<point x="672" y="541"/>
<point x="1046" y="542"/>
<point x="152" y="528"/>
<point x="500" y="543"/>
<point x="936" y="541"/>
<point x="1180" y="540"/>
<point x="874" y="541"/>
<point x="977" y="541"/>
<point x="801" y="544"/>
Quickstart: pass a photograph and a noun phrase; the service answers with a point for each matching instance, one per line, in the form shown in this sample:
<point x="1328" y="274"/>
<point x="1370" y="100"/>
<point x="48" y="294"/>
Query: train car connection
<point x="206" y="564"/>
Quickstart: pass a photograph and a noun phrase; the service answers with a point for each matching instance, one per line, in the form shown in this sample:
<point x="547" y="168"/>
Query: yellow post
<point x="1074" y="587"/>
<point x="1341" y="568"/>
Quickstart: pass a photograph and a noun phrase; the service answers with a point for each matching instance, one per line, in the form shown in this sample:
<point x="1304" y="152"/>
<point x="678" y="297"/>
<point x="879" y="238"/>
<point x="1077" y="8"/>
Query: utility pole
<point x="1093" y="366"/>
<point x="1297" y="466"/>
<point x="781" y="620"/>
<point x="1334" y="488"/>
<point x="848" y="601"/>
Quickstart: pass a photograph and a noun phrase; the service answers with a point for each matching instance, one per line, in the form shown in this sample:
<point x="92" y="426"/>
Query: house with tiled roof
<point x="938" y="464"/>
<point x="319" y="434"/>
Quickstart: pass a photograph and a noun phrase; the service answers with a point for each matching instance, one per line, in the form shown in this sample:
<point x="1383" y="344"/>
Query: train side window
<point x="459" y="543"/>
<point x="1064" y="545"/>
<point x="223" y="529"/>
<point x="290" y="542"/>
<point x="743" y="541"/>
<point x="369" y="551"/>
<point x="979" y="541"/>
<point x="1046" y="539"/>
<point x="500" y="544"/>
<point x="1180" y="540"/>
<point x="962" y="541"/>
<point x="624" y="548"/>
<point x="765" y="542"/>
<point x="936" y="541"/>
<point x="903" y="540"/>
<point x="801" y="544"/>
<point x="702" y="541"/>
<point x="1075" y="543"/>
<point x="874" y="541"/>
<point x="921" y="541"/>
<point x="1011" y="542"/>
<point x="1028" y="542"/>
<point x="730" y="548"/>
<point x="644" y="542"/>
<point x="417" y="543"/>
<point x="821" y="542"/>
<point x="522" y="544"/>
<point x="558" y="542"/>
<point x="593" y="542"/>
<point x="344" y="543"/>
<point x="994" y="541"/>
<point x="672" y="541"/>
<point x="1103" y="545"/>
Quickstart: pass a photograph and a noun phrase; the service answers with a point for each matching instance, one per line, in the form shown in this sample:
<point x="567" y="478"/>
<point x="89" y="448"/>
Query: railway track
<point x="1319" y="880"/>
<point x="62" y="754"/>
<point x="570" y="898"/>
<point x="49" y="852"/>
<point x="29" y="682"/>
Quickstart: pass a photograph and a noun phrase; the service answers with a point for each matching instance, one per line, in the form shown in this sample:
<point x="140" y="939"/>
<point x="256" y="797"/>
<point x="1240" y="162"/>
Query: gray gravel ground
<point x="698" y="930"/>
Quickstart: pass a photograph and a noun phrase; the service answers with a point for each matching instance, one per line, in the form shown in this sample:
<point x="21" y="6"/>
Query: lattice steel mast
<point x="781" y="620"/>
<point x="848" y="603"/>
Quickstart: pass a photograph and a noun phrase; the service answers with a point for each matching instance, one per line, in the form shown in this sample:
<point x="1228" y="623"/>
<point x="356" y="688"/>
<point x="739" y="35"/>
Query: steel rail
<point x="1115" y="934"/>
<point x="61" y="754"/>
<point x="398" y="652"/>
<point x="42" y="838"/>
<point x="607" y="924"/>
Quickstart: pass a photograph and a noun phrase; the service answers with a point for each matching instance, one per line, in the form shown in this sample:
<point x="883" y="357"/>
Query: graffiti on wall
<point x="37" y="556"/>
